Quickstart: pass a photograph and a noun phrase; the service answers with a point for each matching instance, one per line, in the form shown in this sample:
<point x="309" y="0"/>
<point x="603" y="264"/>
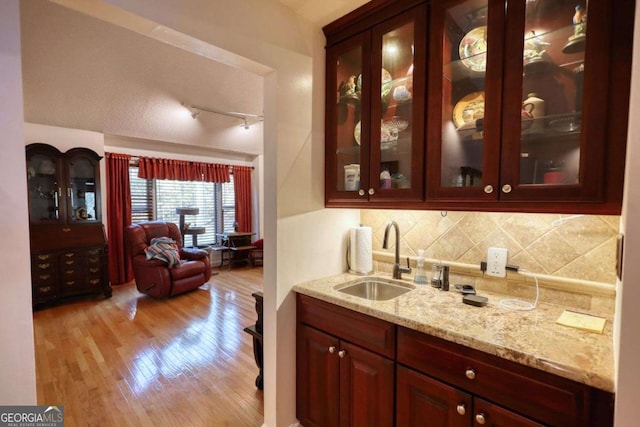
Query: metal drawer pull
<point x="481" y="418"/>
<point x="66" y="229"/>
<point x="69" y="254"/>
<point x="332" y="349"/>
<point x="361" y="192"/>
<point x="342" y="353"/>
<point x="45" y="289"/>
<point x="506" y="188"/>
<point x="461" y="409"/>
<point x="372" y="191"/>
<point x="71" y="282"/>
<point x="94" y="270"/>
<point x="43" y="257"/>
<point x="45" y="276"/>
<point x="470" y="373"/>
<point x="488" y="189"/>
<point x="69" y="262"/>
<point x="94" y="281"/>
<point x="44" y="266"/>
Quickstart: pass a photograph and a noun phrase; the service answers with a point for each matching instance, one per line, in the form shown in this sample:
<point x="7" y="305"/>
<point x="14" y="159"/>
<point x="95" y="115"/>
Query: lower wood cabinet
<point x="423" y="400"/>
<point x="340" y="383"/>
<point x="352" y="369"/>
<point x="537" y="396"/>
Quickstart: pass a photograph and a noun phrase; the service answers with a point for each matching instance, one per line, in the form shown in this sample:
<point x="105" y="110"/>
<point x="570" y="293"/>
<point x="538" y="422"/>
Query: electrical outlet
<point x="497" y="262"/>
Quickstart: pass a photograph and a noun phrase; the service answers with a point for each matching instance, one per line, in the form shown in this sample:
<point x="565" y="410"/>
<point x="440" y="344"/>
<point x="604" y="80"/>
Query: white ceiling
<point x="321" y="12"/>
<point x="84" y="73"/>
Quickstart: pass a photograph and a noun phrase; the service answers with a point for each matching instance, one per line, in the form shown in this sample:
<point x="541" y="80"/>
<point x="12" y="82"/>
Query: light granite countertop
<point x="532" y="338"/>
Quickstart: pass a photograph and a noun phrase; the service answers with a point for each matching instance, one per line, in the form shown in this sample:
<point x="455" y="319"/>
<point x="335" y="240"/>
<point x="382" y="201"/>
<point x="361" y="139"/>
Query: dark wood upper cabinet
<point x="511" y="106"/>
<point x="375" y="108"/>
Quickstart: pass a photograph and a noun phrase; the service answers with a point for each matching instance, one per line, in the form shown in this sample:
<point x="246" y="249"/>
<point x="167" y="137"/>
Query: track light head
<point x="246" y="125"/>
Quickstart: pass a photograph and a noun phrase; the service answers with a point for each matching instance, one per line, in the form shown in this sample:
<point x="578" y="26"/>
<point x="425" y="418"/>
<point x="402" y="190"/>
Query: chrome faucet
<point x="397" y="268"/>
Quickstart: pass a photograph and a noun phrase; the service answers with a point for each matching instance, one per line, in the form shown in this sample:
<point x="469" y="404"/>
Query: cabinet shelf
<point x="402" y="146"/>
<point x="555" y="127"/>
<point x="550" y="55"/>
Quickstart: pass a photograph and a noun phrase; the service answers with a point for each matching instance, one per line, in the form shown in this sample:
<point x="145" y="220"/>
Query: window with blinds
<point x="158" y="199"/>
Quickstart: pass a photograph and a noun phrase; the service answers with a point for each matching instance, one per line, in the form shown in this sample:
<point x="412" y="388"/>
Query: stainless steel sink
<point x="375" y="289"/>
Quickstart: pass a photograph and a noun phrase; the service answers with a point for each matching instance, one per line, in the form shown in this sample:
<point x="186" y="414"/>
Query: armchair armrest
<point x="193" y="254"/>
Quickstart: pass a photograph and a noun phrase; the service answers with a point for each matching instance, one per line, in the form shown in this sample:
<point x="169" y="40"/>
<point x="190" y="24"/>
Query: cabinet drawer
<point x="368" y="332"/>
<point x="550" y="399"/>
<point x="45" y="290"/>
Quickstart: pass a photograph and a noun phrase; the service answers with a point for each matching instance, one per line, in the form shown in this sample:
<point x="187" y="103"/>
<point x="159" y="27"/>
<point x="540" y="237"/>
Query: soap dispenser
<point x="420" y="276"/>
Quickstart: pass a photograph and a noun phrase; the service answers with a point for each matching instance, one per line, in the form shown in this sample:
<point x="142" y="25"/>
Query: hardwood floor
<point x="132" y="360"/>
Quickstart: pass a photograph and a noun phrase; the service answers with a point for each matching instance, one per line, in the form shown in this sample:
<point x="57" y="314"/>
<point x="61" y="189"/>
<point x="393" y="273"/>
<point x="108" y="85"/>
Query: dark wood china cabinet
<point x="67" y="238"/>
<point x="479" y="105"/>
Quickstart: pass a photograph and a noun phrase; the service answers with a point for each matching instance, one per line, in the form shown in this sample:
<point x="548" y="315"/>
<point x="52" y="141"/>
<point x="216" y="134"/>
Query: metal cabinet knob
<point x="341" y="353"/>
<point x="332" y="349"/>
<point x="488" y="189"/>
<point x="481" y="418"/>
<point x="361" y="192"/>
<point x="372" y="191"/>
<point x="470" y="373"/>
<point x="461" y="409"/>
<point x="506" y="188"/>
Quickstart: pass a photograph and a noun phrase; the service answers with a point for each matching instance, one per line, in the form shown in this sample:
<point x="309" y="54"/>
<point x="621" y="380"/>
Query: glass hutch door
<point x="82" y="194"/>
<point x="43" y="180"/>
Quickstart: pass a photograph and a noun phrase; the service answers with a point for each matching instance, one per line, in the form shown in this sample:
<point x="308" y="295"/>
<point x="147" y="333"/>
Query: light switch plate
<point x="497" y="262"/>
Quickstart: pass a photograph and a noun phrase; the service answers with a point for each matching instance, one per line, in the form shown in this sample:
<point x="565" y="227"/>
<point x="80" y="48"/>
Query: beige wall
<point x="580" y="248"/>
<point x="17" y="362"/>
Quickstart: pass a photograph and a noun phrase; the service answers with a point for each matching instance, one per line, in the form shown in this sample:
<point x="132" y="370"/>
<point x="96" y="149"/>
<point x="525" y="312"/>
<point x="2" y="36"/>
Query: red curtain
<point x="181" y="170"/>
<point x="118" y="216"/>
<point x="242" y="191"/>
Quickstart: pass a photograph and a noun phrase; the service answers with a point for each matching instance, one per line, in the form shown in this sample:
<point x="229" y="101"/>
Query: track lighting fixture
<point x="247" y="118"/>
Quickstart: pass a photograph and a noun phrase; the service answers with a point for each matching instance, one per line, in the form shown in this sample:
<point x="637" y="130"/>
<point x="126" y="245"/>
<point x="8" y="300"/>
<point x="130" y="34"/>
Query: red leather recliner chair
<point x="153" y="276"/>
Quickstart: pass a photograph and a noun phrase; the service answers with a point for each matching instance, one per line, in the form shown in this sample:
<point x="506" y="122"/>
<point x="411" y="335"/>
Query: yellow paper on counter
<point x="582" y="321"/>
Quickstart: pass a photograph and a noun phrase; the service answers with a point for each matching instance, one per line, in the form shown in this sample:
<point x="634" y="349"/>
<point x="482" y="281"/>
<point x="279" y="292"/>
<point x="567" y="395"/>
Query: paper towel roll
<point x="361" y="255"/>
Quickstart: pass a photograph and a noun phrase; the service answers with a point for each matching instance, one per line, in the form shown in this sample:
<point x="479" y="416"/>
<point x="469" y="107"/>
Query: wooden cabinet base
<point x="68" y="262"/>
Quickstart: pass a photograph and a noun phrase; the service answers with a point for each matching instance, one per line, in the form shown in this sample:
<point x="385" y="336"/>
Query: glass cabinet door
<point x="547" y="121"/>
<point x="82" y="197"/>
<point x="347" y="116"/>
<point x="397" y="130"/>
<point x="464" y="75"/>
<point x="43" y="171"/>
<point x="375" y="112"/>
<point x="463" y="133"/>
